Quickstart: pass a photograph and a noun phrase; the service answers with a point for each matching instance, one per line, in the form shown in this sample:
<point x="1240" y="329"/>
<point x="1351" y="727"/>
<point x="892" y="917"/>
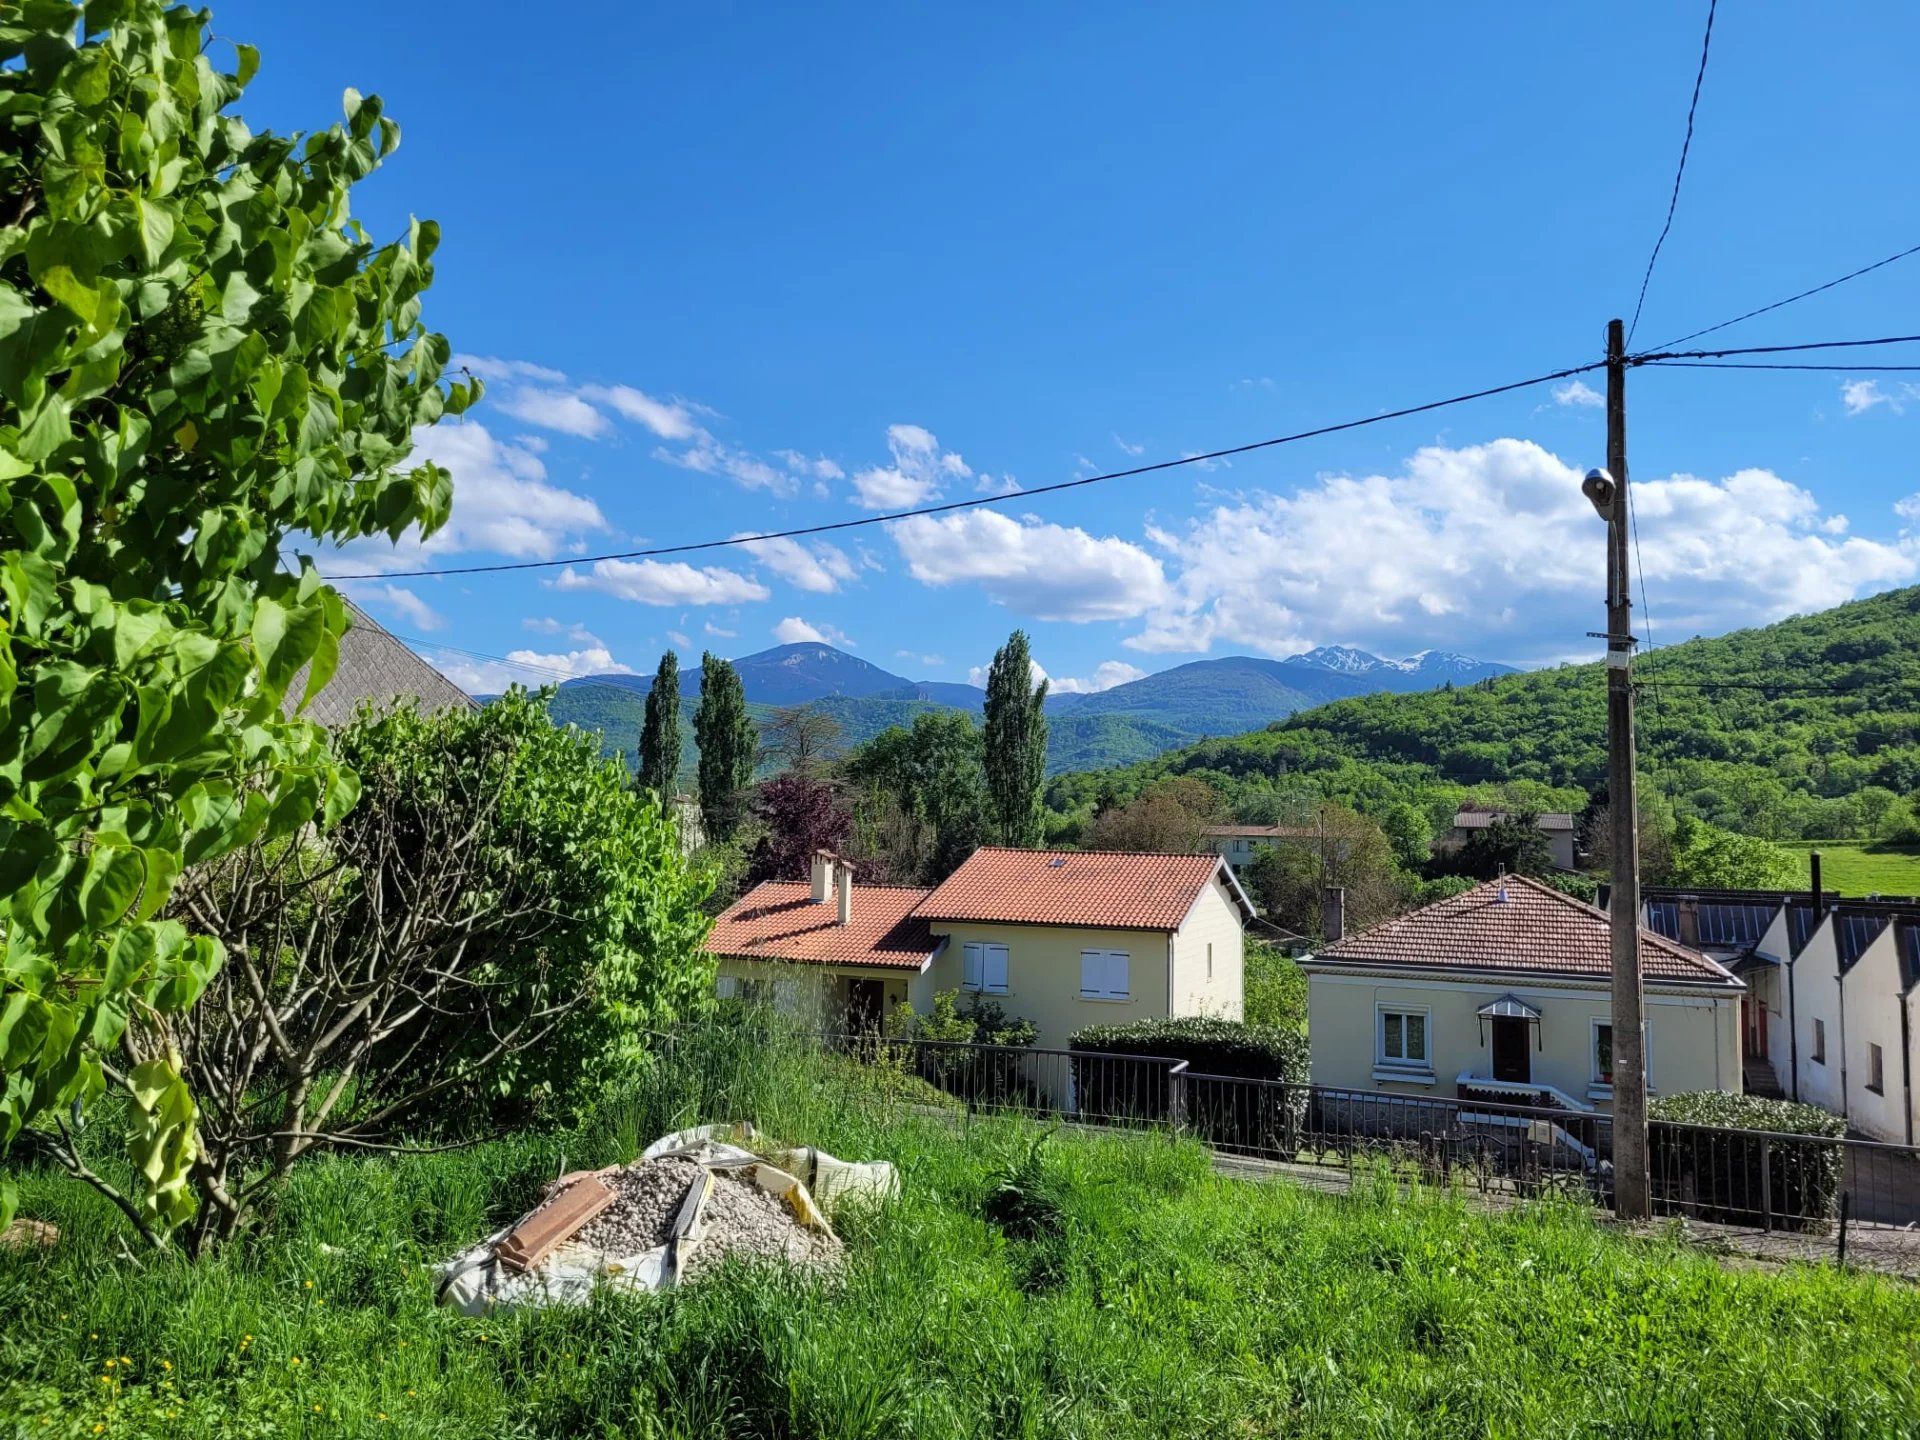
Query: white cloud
<point x="1051" y="572"/>
<point x="818" y="468"/>
<point x="501" y="502"/>
<point x="918" y="470"/>
<point x="553" y="410"/>
<point x="977" y="674"/>
<point x="669" y="419"/>
<point x="795" y="631"/>
<point x="931" y="661"/>
<point x="403" y="602"/>
<point x="1128" y="446"/>
<point x="1578" y="392"/>
<point x="997" y="485"/>
<point x="1106" y="675"/>
<point x="496" y="370"/>
<point x="680" y="640"/>
<point x="1860" y="396"/>
<point x="661" y="582"/>
<point x="529" y="668"/>
<point x="1908" y="508"/>
<point x="707" y="456"/>
<point x="714" y="630"/>
<point x="547" y="625"/>
<point x="1491" y="547"/>
<point x="819" y="568"/>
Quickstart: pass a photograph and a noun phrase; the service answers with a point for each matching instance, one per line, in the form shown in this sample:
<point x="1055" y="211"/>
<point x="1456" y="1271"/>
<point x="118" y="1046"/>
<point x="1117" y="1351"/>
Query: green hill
<point x="1804" y="728"/>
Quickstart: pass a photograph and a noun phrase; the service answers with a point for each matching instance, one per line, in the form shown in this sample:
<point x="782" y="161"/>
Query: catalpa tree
<point x="202" y="356"/>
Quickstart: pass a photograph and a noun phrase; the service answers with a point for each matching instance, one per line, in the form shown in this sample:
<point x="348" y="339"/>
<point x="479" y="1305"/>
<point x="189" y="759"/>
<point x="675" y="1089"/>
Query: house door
<point x="865" y="1000"/>
<point x="1753" y="1010"/>
<point x="1510" y="1058"/>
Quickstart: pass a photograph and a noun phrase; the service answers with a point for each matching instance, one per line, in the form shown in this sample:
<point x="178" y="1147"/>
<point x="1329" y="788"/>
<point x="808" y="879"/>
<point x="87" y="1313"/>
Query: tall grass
<point x="1028" y="1283"/>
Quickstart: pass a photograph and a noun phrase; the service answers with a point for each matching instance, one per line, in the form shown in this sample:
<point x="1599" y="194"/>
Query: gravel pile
<point x="740" y="1219"/>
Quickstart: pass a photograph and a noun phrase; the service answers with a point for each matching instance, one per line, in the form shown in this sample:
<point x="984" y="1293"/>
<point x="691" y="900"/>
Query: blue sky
<point x="734" y="269"/>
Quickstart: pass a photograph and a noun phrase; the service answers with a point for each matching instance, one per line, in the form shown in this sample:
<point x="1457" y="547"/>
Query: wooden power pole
<point x="1632" y="1197"/>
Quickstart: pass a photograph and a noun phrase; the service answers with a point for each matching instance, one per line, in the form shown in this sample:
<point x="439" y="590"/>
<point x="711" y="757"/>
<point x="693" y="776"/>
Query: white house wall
<point x="1816" y="1000"/>
<point x="1209" y="957"/>
<point x="1873" y="1018"/>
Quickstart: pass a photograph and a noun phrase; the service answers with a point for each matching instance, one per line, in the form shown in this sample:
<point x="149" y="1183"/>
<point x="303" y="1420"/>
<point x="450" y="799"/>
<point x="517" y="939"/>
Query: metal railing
<point x="1814" y="1194"/>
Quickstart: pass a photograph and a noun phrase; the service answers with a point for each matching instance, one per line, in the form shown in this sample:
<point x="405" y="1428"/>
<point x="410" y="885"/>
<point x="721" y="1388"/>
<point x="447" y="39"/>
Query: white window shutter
<point x="1119" y="984"/>
<point x="970" y="966"/>
<point x="994" y="970"/>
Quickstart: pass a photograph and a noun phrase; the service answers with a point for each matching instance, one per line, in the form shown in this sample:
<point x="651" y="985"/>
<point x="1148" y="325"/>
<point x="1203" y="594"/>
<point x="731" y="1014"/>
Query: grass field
<point x="1131" y="1291"/>
<point x="1859" y="867"/>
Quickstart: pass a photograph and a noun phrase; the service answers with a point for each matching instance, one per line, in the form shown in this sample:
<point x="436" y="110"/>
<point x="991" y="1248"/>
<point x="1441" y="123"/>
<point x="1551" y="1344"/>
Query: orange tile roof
<point x="1108" y="889"/>
<point x="1536" y="928"/>
<point x="780" y="920"/>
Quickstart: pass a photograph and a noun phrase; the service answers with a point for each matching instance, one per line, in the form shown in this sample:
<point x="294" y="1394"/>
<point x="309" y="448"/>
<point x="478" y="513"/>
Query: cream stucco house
<point x="1060" y="938"/>
<point x="1502" y="993"/>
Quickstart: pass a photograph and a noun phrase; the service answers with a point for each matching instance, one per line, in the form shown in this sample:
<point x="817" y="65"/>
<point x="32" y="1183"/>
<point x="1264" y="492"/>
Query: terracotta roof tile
<point x="1536" y="928"/>
<point x="780" y="920"/>
<point x="1103" y="888"/>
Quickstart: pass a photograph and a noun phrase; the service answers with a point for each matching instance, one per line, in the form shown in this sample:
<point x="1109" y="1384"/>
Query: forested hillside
<point x="1806" y="728"/>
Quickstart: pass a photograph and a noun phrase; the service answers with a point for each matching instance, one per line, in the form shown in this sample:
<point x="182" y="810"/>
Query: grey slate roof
<point x="375" y="666"/>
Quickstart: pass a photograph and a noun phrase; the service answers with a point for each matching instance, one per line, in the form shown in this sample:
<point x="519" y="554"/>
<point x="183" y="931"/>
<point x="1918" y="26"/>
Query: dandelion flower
<point x="294" y="1361"/>
<point x="308" y="1284"/>
<point x="111" y="1362"/>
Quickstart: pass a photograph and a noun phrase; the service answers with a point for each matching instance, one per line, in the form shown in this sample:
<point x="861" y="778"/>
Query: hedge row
<point x="1725" y="1174"/>
<point x="1225" y="1112"/>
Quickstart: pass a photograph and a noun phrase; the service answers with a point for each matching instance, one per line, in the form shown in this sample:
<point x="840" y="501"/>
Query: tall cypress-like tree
<point x="1016" y="742"/>
<point x="660" y="731"/>
<point x="728" y="740"/>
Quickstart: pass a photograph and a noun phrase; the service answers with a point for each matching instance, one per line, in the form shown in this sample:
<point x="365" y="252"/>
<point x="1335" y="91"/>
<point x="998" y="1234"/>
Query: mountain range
<point x="1125" y="724"/>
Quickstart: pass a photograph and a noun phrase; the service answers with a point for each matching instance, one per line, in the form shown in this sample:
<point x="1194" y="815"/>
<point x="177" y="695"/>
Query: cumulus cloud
<point x="553" y="410"/>
<point x="663" y="582"/>
<point x="494" y="370"/>
<point x="708" y="456"/>
<point x="1106" y="675"/>
<point x="818" y="468"/>
<point x="977" y="674"/>
<point x="795" y="631"/>
<point x="820" y="568"/>
<point x="1047" y="571"/>
<point x="530" y="668"/>
<point x="1492" y="546"/>
<point x="547" y="625"/>
<point x="669" y="419"/>
<point x="1578" y="393"/>
<point x="920" y="467"/>
<point x="402" y="602"/>
<point x="1860" y="396"/>
<point x="502" y="502"/>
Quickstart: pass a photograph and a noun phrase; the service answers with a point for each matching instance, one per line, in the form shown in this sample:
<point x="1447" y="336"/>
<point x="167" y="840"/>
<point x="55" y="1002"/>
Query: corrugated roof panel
<point x="1909" y="941"/>
<point x="1853" y="933"/>
<point x="1802" y="921"/>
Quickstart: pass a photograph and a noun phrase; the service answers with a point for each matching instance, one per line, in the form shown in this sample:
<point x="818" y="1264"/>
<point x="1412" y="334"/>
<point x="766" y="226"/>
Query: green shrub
<point x="1723" y="1174"/>
<point x="991" y="1077"/>
<point x="1220" y="1055"/>
<point x="1276" y="988"/>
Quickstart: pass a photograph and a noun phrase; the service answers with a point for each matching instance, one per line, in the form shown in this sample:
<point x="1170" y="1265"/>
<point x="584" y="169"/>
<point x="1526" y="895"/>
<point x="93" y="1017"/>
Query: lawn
<point x="1862" y="867"/>
<point x="1129" y="1291"/>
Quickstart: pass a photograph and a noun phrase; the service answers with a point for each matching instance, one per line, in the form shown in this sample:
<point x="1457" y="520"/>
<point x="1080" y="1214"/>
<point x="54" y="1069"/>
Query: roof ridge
<point x="1129" y="854"/>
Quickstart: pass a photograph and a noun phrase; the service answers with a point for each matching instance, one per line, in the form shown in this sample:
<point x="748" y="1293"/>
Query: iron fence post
<point x="1766" y="1182"/>
<point x="1177" y="1096"/>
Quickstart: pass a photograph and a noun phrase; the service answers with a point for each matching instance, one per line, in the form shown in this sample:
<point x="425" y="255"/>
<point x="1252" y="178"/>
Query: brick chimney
<point x="1690" y="921"/>
<point x="822" y="876"/>
<point x="1333" y="913"/>
<point x="846" y="893"/>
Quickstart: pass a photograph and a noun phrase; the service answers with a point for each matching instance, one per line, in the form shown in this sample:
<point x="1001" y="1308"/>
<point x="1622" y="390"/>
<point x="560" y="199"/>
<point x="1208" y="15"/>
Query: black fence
<point x="1820" y="1193"/>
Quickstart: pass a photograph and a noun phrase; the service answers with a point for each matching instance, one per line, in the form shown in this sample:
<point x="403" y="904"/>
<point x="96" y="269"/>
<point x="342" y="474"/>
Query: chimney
<point x="846" y="893"/>
<point x="822" y="876"/>
<point x="1813" y="865"/>
<point x="1690" y="921"/>
<point x="1333" y="913"/>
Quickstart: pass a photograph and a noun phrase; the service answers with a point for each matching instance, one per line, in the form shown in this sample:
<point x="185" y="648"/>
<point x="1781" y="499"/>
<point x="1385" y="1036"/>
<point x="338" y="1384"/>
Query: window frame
<point x="1108" y="997"/>
<point x="1818" y="1051"/>
<point x="1595" y="1026"/>
<point x="978" y="984"/>
<point x="1400" y="1065"/>
<point x="1876" y="1069"/>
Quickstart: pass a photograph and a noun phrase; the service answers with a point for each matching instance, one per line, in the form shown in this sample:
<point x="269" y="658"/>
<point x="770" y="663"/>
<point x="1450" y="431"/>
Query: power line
<point x="1793" y="299"/>
<point x="1686" y="144"/>
<point x="1762" y="365"/>
<point x="1661" y="357"/>
<point x="979" y="500"/>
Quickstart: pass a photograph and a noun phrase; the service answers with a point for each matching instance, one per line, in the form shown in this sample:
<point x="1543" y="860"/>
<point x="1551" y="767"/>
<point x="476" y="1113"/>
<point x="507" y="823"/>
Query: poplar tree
<point x="660" y="731"/>
<point x="728" y="740"/>
<point x="1016" y="743"/>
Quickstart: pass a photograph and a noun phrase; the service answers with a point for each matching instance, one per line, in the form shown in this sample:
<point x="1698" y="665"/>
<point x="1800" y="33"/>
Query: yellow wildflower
<point x="294" y="1361"/>
<point x="111" y="1362"/>
<point x="166" y="1364"/>
<point x="308" y="1284"/>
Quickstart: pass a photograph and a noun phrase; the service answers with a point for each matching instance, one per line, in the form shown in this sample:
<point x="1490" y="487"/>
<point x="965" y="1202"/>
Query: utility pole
<point x="1632" y="1199"/>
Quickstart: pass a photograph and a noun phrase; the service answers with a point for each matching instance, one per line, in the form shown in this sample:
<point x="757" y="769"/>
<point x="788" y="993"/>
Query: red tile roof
<point x="1107" y="889"/>
<point x="1536" y="928"/>
<point x="780" y="920"/>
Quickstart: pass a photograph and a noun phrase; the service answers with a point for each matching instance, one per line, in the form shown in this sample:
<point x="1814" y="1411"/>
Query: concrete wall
<point x="1694" y="1040"/>
<point x="1873" y="1018"/>
<point x="1816" y="998"/>
<point x="815" y="995"/>
<point x="1209" y="957"/>
<point x="1043" y="975"/>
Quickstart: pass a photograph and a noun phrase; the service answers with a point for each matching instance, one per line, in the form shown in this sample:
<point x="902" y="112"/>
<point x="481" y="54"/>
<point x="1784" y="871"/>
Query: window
<point x="1209" y="959"/>
<point x="1876" y="1074"/>
<point x="984" y="968"/>
<point x="1402" y="1040"/>
<point x="1602" y="1053"/>
<point x="755" y="992"/>
<point x="1103" y="975"/>
<point x="1819" y="1042"/>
